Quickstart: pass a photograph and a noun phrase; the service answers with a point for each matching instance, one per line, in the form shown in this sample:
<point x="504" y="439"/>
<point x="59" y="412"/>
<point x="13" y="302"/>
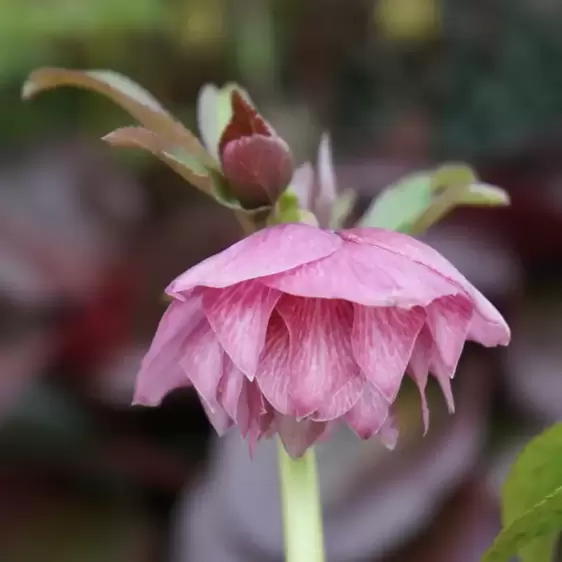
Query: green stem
<point x="302" y="513"/>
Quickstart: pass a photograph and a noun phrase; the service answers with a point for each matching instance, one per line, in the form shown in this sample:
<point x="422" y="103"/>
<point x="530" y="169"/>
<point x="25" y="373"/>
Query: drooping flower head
<point x="295" y="328"/>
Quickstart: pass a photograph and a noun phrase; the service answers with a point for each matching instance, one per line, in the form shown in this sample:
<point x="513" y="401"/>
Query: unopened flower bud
<point x="257" y="163"/>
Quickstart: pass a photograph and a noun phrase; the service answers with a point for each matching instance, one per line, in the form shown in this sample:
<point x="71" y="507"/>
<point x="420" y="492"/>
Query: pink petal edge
<point x="239" y="316"/>
<point x="267" y="252"/>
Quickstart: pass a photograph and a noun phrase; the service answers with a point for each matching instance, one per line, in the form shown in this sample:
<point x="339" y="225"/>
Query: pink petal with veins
<point x="365" y="275"/>
<point x="488" y="326"/>
<point x="239" y="316"/>
<point x="369" y="414"/>
<point x="266" y="252"/>
<point x="160" y="370"/>
<point x="326" y="379"/>
<point x="382" y="341"/>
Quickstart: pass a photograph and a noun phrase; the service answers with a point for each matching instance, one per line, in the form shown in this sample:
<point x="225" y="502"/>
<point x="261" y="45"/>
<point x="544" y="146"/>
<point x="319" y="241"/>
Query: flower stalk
<point x="301" y="507"/>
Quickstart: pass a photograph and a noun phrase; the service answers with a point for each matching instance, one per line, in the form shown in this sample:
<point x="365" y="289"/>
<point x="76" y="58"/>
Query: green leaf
<point x="286" y="210"/>
<point x="401" y="204"/>
<point x="207" y="179"/>
<point x="484" y="195"/>
<point x="532" y="502"/>
<point x="540" y="523"/>
<point x="419" y="200"/>
<point x="452" y="175"/>
<point x="187" y="166"/>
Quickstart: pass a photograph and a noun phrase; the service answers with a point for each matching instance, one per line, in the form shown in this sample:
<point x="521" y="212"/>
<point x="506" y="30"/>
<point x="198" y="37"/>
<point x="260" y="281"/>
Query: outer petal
<point x="202" y="362"/>
<point x="298" y="436"/>
<point x="239" y="316"/>
<point x="326" y="182"/>
<point x="369" y="414"/>
<point x="267" y="252"/>
<point x="255" y="416"/>
<point x="303" y="185"/>
<point x="160" y="372"/>
<point x="439" y="347"/>
<point x="365" y="275"/>
<point x="219" y="419"/>
<point x="448" y="320"/>
<point x="420" y="363"/>
<point x="273" y="376"/>
<point x="325" y="377"/>
<point x="230" y="388"/>
<point x="382" y="341"/>
<point x="389" y="432"/>
<point x="251" y="408"/>
<point x="488" y="326"/>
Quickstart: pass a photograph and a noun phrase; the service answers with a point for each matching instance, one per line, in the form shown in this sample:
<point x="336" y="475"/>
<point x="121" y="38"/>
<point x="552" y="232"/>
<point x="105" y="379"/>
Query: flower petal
<point x="273" y="375"/>
<point x="160" y="372"/>
<point x="251" y="407"/>
<point x="488" y="326"/>
<point x="202" y="362"/>
<point x="439" y="347"/>
<point x="365" y="275"/>
<point x="219" y="419"/>
<point x="369" y="414"/>
<point x="382" y="341"/>
<point x="230" y="388"/>
<point x="325" y="377"/>
<point x="388" y="434"/>
<point x="418" y="369"/>
<point x="302" y="185"/>
<point x="239" y="316"/>
<point x="255" y="416"/>
<point x="269" y="251"/>
<point x="298" y="436"/>
<point x="448" y="320"/>
<point x="326" y="182"/>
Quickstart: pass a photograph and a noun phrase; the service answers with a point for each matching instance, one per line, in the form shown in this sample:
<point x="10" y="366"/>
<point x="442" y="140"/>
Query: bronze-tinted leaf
<point x="181" y="162"/>
<point x="127" y="94"/>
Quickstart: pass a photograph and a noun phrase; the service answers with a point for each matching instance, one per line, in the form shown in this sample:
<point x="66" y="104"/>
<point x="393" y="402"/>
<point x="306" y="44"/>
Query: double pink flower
<point x="296" y="327"/>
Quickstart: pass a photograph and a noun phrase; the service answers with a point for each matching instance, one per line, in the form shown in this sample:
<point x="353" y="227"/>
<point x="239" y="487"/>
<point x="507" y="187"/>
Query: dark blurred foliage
<point x="89" y="238"/>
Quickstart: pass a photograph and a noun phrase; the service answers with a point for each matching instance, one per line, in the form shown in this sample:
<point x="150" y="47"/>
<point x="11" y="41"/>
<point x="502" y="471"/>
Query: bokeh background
<point x="90" y="236"/>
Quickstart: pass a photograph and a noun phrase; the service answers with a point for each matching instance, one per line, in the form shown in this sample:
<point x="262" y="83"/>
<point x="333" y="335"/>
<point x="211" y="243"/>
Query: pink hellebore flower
<point x="295" y="327"/>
